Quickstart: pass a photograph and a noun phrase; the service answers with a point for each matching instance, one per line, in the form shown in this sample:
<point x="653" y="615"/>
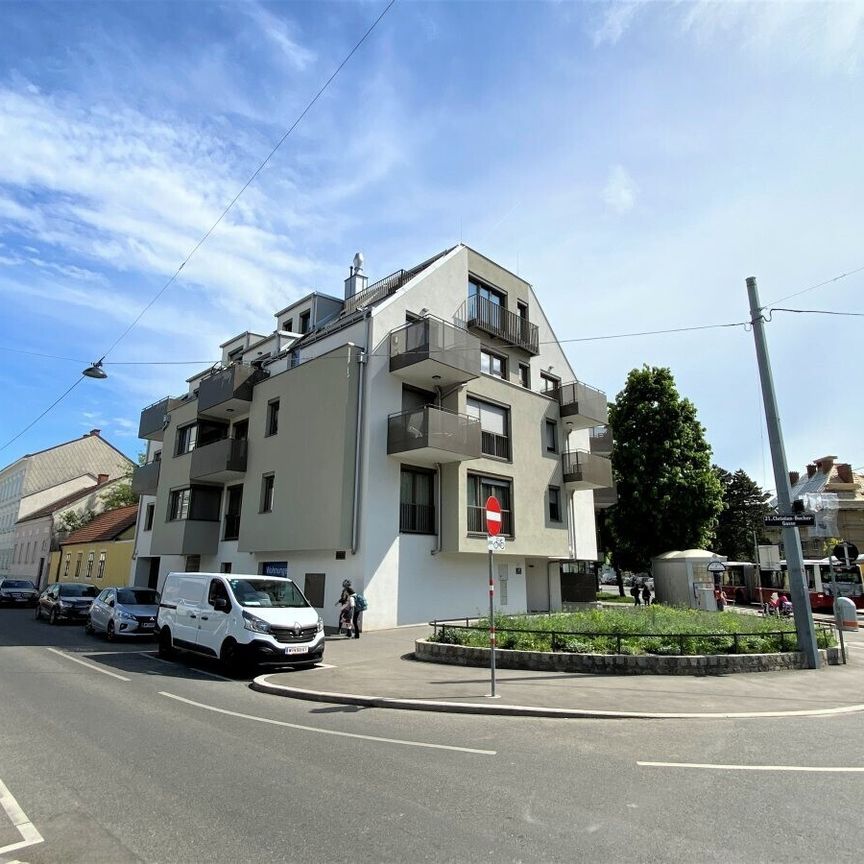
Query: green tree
<point x="120" y="495"/>
<point x="744" y="506"/>
<point x="668" y="495"/>
<point x="72" y="520"/>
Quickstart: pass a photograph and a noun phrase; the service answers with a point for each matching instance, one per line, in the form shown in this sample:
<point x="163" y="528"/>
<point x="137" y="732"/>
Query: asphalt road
<point x="129" y="758"/>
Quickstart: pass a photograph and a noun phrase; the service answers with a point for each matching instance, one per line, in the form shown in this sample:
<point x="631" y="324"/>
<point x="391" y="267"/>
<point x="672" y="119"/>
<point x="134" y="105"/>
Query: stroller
<point x="346" y="624"/>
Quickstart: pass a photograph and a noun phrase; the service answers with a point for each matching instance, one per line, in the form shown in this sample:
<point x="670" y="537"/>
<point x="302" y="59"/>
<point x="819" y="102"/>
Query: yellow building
<point x="99" y="553"/>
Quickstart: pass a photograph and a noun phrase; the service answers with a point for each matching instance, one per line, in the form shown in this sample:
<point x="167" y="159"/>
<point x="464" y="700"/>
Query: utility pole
<point x="791" y="539"/>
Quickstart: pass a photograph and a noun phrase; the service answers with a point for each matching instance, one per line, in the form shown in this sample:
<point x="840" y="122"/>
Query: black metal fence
<point x="559" y="638"/>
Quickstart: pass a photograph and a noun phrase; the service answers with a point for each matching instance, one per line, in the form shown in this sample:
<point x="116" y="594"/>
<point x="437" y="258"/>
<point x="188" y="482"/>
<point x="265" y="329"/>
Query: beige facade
<point x="432" y="389"/>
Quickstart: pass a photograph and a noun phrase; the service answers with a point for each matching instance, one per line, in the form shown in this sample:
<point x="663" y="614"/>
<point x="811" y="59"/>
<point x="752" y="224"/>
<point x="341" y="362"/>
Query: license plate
<point x="146" y="626"/>
<point x="296" y="649"/>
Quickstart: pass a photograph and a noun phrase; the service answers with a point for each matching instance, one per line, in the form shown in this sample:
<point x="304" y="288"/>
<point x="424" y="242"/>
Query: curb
<point x="262" y="685"/>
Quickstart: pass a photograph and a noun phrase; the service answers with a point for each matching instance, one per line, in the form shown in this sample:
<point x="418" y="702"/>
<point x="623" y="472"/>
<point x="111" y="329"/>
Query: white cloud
<point x="619" y="194"/>
<point x="280" y="33"/>
<point x="616" y="20"/>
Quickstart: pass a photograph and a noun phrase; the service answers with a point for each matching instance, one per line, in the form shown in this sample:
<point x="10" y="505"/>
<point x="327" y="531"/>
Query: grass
<point x="606" y="597"/>
<point x="651" y="630"/>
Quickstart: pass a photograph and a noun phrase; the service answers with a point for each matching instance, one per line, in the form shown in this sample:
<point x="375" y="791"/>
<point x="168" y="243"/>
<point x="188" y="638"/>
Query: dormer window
<point x="288" y="325"/>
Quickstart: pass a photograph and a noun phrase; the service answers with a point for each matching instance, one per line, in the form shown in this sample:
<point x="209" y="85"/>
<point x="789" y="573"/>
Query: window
<point x="479" y="489"/>
<point x="477" y="289"/>
<point x="193" y="565"/>
<point x="272" y="417"/>
<point x="78" y="559"/>
<point x="313" y="588"/>
<point x="232" y="513"/>
<point x="550" y="436"/>
<point x="178" y="504"/>
<point x="225" y="567"/>
<point x="66" y="566"/>
<point x="100" y="571"/>
<point x="493" y="364"/>
<point x="218" y="591"/>
<point x="90" y="557"/>
<point x="288" y="325"/>
<point x="305" y="318"/>
<point x="554" y="504"/>
<point x="494" y="426"/>
<point x="549" y="383"/>
<point x="416" y="501"/>
<point x="525" y="375"/>
<point x="186" y="438"/>
<point x="486" y="307"/>
<point x="267" y="488"/>
<point x="240" y="430"/>
<point x="148" y="517"/>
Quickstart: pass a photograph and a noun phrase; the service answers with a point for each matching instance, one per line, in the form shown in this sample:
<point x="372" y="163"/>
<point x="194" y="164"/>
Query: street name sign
<point x="792" y="520"/>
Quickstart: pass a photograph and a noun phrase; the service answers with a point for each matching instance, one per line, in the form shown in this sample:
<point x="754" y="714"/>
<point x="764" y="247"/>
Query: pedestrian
<point x="346" y="612"/>
<point x="634" y="593"/>
<point x="646" y="595"/>
<point x="359" y="608"/>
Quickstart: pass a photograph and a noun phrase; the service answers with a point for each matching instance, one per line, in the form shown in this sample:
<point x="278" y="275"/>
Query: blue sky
<point x="633" y="161"/>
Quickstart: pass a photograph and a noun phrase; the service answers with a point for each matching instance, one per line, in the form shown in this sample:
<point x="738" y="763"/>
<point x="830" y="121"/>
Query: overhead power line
<point x="818" y="285"/>
<point x="222" y="215"/>
<point x="817" y="312"/>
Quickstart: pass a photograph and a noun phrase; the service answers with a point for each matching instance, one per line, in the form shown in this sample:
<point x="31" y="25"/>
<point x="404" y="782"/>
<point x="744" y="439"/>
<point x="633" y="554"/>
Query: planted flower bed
<point x="657" y="630"/>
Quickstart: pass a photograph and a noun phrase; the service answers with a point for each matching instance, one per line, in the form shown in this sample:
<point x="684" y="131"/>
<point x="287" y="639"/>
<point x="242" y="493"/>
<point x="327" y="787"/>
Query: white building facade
<point x="361" y="439"/>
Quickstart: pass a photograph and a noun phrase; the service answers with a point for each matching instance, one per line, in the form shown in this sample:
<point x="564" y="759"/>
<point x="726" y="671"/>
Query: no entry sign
<point x="493" y="516"/>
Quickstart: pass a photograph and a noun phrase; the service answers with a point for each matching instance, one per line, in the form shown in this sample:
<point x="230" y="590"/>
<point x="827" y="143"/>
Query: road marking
<point x="815" y="769"/>
<point x="190" y="668"/>
<point x="30" y="836"/>
<point x="85" y="663"/>
<point x="330" y="731"/>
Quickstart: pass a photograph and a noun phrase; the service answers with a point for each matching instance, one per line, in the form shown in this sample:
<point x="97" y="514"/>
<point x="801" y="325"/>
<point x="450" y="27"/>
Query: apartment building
<point x="361" y="438"/>
<point x="38" y="479"/>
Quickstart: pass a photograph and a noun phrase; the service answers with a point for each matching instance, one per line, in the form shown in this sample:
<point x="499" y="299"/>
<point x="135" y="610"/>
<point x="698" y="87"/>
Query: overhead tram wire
<point x="814" y="287"/>
<point x="222" y="215"/>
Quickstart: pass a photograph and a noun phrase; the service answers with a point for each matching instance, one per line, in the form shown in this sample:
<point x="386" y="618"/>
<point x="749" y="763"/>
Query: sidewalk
<point x="377" y="671"/>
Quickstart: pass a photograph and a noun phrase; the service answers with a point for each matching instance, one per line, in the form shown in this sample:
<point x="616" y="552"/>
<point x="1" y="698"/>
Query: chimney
<point x="825" y="464"/>
<point x="811" y="470"/>
<point x="101" y="478"/>
<point x="95" y="432"/>
<point x="793" y="477"/>
<point x="357" y="280"/>
<point x="844" y="473"/>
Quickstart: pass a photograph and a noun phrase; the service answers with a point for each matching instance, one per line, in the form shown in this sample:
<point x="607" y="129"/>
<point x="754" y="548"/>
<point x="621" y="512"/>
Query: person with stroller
<point x="346" y="613"/>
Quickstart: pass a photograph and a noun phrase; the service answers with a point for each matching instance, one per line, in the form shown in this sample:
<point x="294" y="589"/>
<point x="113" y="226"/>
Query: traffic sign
<point x="846" y="552"/>
<point x="792" y="520"/>
<point x="495" y="544"/>
<point x="493" y="516"/>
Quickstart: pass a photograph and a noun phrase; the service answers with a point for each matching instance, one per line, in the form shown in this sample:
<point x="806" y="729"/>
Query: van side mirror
<point x="220" y="604"/>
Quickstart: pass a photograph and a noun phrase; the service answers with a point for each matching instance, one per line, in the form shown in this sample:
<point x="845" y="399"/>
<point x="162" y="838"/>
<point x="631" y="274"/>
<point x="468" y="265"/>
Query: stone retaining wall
<point x="616" y="664"/>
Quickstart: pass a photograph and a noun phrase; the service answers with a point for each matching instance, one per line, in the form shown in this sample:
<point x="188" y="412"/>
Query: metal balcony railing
<point x="433" y="428"/>
<point x="226" y="456"/>
<point x="145" y="478"/>
<point x="584" y="470"/>
<point x="584" y="403"/>
<point x="436" y="344"/>
<point x="417" y="518"/>
<point x="600" y="440"/>
<point x="494" y="319"/>
<point x="377" y="291"/>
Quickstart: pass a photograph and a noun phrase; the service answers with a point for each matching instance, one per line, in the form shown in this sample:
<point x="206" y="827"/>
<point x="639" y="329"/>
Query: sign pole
<point x="836" y="606"/>
<point x="491" y="627"/>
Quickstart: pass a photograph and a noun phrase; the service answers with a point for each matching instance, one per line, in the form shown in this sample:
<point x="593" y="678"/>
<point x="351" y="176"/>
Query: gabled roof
<point x="105" y="526"/>
<point x="60" y="503"/>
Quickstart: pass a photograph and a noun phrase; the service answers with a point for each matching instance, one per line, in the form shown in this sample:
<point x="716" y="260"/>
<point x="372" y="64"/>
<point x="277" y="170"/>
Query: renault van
<point x="239" y="618"/>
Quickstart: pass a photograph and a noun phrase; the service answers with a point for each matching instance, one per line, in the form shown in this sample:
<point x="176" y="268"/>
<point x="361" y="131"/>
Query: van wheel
<point x="166" y="646"/>
<point x="231" y="658"/>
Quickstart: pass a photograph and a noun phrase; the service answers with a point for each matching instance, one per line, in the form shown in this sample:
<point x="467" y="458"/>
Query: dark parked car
<point x="66" y="600"/>
<point x="18" y="592"/>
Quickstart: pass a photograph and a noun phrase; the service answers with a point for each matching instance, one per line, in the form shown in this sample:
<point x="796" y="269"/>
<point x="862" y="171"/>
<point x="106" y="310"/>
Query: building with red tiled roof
<point x="37" y="535"/>
<point x="100" y="552"/>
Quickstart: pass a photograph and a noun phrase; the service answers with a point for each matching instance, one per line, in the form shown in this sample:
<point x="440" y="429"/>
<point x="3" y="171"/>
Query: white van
<point x="239" y="618"/>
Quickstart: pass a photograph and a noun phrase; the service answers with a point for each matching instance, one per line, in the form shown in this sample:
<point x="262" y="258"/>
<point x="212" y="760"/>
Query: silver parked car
<point x="18" y="592"/>
<point x="124" y="612"/>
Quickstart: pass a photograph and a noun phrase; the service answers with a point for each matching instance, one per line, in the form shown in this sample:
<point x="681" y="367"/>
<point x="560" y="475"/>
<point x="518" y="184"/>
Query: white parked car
<point x="124" y="612"/>
<point x="239" y="618"/>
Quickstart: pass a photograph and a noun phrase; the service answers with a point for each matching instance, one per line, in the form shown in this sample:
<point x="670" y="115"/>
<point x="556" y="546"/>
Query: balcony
<point x="219" y="462"/>
<point x="582" y="406"/>
<point x="432" y="353"/>
<point x="428" y="435"/>
<point x="605" y="498"/>
<point x="155" y="418"/>
<point x="601" y="441"/>
<point x="186" y="537"/>
<point x="584" y="470"/>
<point x="145" y="478"/>
<point x="228" y="392"/>
<point x="492" y="318"/>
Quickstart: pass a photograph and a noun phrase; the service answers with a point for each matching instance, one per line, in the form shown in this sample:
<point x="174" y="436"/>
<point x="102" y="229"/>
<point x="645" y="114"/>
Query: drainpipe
<point x="363" y="362"/>
<point x="549" y="584"/>
<point x="438" y="508"/>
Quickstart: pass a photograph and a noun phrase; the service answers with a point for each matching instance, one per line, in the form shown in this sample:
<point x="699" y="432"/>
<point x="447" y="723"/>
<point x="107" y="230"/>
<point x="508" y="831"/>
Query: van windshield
<point x="275" y="593"/>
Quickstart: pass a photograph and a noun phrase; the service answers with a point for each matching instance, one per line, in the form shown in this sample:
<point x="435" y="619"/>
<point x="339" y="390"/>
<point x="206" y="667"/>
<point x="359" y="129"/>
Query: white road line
<point x="85" y="663"/>
<point x="190" y="668"/>
<point x="30" y="836"/>
<point x="330" y="731"/>
<point x="815" y="769"/>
